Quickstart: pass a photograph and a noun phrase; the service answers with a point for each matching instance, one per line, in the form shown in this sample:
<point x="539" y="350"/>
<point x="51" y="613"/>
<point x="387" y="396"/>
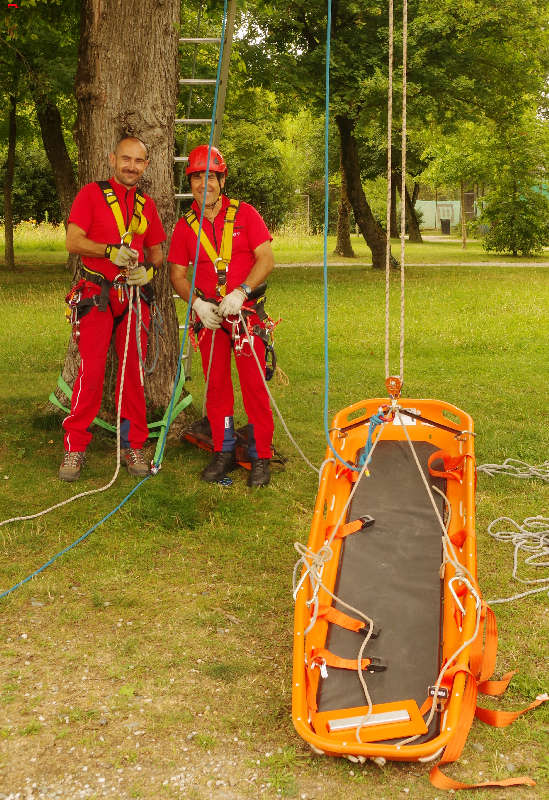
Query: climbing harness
<point x="138" y="222"/>
<point x="222" y="259"/>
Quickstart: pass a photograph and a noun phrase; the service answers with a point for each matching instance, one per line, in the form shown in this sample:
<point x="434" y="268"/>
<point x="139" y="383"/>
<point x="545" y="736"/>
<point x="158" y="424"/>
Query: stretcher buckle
<point x="376" y="664"/>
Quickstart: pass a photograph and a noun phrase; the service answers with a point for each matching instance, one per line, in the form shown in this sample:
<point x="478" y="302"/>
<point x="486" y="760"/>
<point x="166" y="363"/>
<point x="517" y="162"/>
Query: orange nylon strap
<point x="345" y="472"/>
<point x="485" y="646"/>
<point x="346" y="529"/>
<point x="496" y="688"/>
<point x="500" y="719"/>
<point x="453" y="466"/>
<point x="331" y="614"/>
<point x="331" y="660"/>
<point x="455" y="746"/>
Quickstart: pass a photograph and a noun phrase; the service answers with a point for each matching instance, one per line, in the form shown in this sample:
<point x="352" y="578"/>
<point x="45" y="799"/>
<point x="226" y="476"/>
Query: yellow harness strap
<point x="138" y="223"/>
<point x="222" y="259"/>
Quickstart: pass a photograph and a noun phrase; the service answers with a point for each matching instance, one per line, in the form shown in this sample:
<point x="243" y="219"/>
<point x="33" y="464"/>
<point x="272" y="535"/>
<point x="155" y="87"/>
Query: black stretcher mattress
<point x="390" y="571"/>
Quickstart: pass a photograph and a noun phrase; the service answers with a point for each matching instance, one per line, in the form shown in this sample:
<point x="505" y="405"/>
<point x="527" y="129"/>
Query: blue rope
<point x="326" y="198"/>
<point x="375" y="420"/>
<point x="77" y="541"/>
<point x="178" y="372"/>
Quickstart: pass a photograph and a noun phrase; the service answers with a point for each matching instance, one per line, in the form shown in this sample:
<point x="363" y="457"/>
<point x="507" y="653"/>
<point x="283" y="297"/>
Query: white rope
<point x="389" y="189"/>
<point x="208" y="375"/>
<point x="403" y="187"/>
<point x="517" y="469"/>
<point x="313" y="563"/>
<point x="532" y="536"/>
<point x="118" y="415"/>
<point x="461" y="573"/>
<point x="281" y="418"/>
<point x="388" y="254"/>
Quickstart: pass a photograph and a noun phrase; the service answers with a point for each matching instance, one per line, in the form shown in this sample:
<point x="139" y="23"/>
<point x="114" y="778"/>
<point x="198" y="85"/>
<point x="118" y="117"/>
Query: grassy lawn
<point x="154" y="660"/>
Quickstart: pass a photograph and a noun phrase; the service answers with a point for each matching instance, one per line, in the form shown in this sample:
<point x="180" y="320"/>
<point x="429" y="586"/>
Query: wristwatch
<point x="246" y="289"/>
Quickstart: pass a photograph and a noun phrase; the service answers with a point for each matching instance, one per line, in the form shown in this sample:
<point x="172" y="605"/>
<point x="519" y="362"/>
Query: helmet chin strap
<point x="211" y="206"/>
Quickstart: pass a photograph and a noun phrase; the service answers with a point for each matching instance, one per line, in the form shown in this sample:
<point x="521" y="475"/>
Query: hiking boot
<point x="71" y="465"/>
<point x="219" y="466"/>
<point x="260" y="474"/>
<point x="135" y="461"/>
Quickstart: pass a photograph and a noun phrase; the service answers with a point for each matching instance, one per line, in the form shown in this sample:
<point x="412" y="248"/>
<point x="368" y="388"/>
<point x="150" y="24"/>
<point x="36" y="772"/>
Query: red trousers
<point x="220" y="395"/>
<point x="95" y="336"/>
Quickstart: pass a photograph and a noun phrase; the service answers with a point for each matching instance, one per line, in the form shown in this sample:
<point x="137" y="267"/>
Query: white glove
<point x="232" y="303"/>
<point x="122" y="255"/>
<point x="208" y="313"/>
<point x="139" y="276"/>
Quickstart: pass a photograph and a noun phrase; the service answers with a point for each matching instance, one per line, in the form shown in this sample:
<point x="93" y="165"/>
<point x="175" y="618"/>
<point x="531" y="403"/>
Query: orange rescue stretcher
<point x="389" y="580"/>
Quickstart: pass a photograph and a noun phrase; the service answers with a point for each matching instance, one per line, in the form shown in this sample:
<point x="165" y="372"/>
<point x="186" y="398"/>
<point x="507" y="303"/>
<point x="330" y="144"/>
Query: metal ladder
<point x="187" y="121"/>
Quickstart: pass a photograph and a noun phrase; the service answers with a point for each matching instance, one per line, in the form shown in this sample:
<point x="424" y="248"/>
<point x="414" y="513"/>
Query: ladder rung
<point x="198" y="81"/>
<point x="183" y="196"/>
<point x="193" y="121"/>
<point x="200" y="40"/>
<point x="181" y="158"/>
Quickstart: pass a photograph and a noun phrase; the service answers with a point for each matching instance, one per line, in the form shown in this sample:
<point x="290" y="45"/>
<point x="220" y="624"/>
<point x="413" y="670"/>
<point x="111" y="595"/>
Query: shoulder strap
<point x="138" y="222"/>
<point x="220" y="261"/>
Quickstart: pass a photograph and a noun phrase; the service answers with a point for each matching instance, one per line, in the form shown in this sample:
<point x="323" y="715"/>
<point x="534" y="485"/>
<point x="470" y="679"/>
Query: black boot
<point x="219" y="466"/>
<point x="260" y="474"/>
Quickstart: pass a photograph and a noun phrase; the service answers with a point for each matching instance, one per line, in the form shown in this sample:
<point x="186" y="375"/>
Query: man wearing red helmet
<point x="234" y="258"/>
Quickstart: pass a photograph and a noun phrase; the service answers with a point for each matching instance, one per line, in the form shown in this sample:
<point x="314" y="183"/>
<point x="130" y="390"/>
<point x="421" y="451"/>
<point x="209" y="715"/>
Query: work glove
<point x="139" y="276"/>
<point x="121" y="255"/>
<point x="232" y="303"/>
<point x="208" y="313"/>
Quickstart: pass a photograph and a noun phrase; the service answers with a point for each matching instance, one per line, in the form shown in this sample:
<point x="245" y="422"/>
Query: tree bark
<point x="393" y="215"/>
<point x="373" y="233"/>
<point x="463" y="222"/>
<point x="53" y="140"/>
<point x="343" y="244"/>
<point x="9" y="254"/>
<point x="414" y="233"/>
<point x="126" y="84"/>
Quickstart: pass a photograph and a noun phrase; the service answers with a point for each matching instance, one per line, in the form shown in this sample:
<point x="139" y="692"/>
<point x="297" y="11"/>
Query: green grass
<point x="175" y="616"/>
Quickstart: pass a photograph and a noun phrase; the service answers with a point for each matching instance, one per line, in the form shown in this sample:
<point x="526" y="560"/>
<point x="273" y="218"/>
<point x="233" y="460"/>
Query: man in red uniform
<point x="114" y="228"/>
<point x="225" y="279"/>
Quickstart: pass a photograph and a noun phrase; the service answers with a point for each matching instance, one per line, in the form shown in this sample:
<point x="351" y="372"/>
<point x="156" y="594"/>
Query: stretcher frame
<point x="451" y="430"/>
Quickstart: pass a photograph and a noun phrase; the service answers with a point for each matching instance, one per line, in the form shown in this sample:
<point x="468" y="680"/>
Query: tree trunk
<point x="51" y="128"/>
<point x="127" y="83"/>
<point x="412" y="225"/>
<point x="9" y="254"/>
<point x="414" y="233"/>
<point x="463" y="222"/>
<point x="53" y="140"/>
<point x="370" y="228"/>
<point x="393" y="215"/>
<point x="343" y="244"/>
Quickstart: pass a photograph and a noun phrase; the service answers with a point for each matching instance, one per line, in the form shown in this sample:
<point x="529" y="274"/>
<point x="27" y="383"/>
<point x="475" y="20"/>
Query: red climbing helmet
<point x="198" y="160"/>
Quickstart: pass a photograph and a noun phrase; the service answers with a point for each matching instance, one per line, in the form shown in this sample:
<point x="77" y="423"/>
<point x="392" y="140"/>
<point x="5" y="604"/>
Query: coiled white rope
<point x="517" y="469"/>
<point x="532" y="536"/>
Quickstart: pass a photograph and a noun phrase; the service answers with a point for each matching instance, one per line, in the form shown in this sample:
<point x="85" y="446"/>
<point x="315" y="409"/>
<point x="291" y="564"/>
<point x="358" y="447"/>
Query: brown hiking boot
<point x="260" y="474"/>
<point x="135" y="461"/>
<point x="71" y="465"/>
<point x="219" y="466"/>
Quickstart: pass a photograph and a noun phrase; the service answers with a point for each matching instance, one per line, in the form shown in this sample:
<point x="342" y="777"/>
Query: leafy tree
<point x="41" y="40"/>
<point x="465" y="60"/>
<point x="517" y="217"/>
